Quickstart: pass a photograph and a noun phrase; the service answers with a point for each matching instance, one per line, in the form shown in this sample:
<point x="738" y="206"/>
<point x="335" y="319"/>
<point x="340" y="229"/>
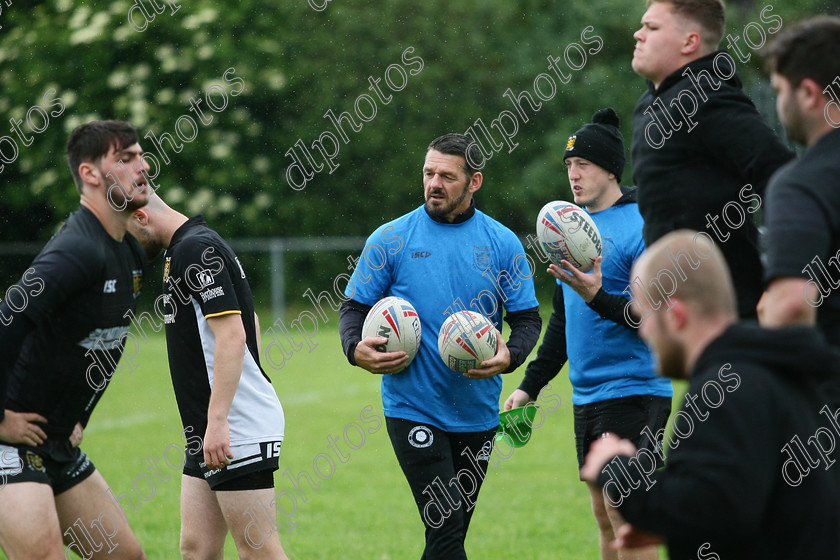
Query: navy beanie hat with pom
<point x="599" y="142"/>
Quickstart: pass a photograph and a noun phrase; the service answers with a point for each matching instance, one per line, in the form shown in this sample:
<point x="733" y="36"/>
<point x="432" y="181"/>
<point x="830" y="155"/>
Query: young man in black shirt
<point x="223" y="395"/>
<point x="59" y="348"/>
<point x="803" y="200"/>
<point x="702" y="155"/>
<point x="751" y="473"/>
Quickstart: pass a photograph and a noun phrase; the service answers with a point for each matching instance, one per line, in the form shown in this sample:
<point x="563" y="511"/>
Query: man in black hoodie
<point x="702" y="155"/>
<point x="752" y="470"/>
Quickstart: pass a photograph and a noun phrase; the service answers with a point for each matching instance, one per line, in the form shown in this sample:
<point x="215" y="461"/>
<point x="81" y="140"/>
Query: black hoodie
<point x="736" y="483"/>
<point x="688" y="168"/>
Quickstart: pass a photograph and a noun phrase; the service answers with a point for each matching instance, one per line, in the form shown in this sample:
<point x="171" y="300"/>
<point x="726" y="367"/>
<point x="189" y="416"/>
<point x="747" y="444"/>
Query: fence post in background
<point x="277" y="249"/>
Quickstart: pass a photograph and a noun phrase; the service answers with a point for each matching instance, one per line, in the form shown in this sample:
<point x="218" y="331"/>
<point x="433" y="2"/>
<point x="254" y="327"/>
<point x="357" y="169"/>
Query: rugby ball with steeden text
<point x="566" y="231"/>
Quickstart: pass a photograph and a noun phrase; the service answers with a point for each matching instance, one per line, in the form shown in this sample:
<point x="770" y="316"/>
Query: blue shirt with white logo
<point x="608" y="360"/>
<point x="440" y="268"/>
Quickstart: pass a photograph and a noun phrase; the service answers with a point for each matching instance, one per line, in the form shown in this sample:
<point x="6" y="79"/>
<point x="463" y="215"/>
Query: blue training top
<point x="440" y="268"/>
<point x="608" y="360"/>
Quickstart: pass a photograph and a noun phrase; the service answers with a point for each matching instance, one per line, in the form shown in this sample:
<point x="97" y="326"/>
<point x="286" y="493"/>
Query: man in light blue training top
<point x="443" y="257"/>
<point x="614" y="385"/>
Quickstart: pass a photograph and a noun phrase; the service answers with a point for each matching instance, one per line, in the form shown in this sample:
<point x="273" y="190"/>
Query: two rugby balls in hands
<point x="567" y="232"/>
<point x="465" y="340"/>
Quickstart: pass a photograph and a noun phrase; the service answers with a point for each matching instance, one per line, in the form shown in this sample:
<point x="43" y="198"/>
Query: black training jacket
<point x="61" y="350"/>
<point x="688" y="168"/>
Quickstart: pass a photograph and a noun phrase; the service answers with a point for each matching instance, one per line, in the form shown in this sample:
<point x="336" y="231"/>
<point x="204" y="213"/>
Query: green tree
<point x="296" y="63"/>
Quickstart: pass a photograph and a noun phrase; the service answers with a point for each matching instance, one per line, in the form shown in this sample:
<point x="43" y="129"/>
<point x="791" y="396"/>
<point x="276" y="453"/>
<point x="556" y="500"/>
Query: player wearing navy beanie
<point x="615" y="389"/>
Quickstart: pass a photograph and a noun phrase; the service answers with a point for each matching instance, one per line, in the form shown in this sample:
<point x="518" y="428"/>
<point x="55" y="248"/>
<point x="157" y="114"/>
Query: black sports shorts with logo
<point x="60" y="465"/>
<point x="252" y="467"/>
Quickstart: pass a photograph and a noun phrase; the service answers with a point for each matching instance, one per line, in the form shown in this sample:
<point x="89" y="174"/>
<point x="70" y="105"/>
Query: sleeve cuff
<point x="530" y="386"/>
<point x="351" y="353"/>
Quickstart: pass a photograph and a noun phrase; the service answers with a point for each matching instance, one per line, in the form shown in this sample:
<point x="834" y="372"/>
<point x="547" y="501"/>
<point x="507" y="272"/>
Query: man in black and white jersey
<point x="212" y="337"/>
<point x="60" y="341"/>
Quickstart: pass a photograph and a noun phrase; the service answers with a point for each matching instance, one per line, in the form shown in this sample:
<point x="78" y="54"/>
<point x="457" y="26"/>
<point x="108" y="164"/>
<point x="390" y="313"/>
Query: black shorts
<point x="252" y="467"/>
<point x="626" y="417"/>
<point x="445" y="471"/>
<point x="62" y="470"/>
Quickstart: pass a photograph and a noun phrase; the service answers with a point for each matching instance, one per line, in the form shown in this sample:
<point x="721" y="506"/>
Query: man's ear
<point x="677" y="316"/>
<point x="693" y="43"/>
<point x="809" y="95"/>
<point x="90" y="173"/>
<point x="141" y="217"/>
<point x="475" y="181"/>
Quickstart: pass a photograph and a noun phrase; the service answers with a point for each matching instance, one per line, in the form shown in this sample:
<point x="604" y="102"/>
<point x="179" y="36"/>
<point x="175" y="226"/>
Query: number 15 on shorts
<point x="272" y="449"/>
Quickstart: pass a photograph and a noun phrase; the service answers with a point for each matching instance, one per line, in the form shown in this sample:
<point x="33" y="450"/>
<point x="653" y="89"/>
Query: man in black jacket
<point x="702" y="155"/>
<point x="803" y="199"/>
<point x="751" y="472"/>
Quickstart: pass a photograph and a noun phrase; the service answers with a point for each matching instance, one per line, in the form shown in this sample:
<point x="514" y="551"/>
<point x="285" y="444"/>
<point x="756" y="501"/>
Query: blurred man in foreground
<point x="747" y="475"/>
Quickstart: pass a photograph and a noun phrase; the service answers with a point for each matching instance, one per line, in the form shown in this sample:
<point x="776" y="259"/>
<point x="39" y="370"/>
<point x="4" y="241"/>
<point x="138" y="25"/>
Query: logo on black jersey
<point x="205" y="278"/>
<point x="166" y="269"/>
<point x="107" y="338"/>
<point x="110" y="287"/>
<point x="137" y="277"/>
<point x="168" y="318"/>
<point x="420" y="437"/>
<point x="212" y="293"/>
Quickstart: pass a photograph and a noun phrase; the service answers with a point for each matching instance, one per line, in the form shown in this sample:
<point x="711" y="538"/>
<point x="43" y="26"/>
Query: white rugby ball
<point x="465" y="340"/>
<point x="397" y="320"/>
<point x="567" y="232"/>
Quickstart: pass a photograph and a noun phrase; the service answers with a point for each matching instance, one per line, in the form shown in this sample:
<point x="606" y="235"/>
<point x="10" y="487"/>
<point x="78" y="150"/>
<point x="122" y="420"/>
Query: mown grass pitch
<point x="358" y="506"/>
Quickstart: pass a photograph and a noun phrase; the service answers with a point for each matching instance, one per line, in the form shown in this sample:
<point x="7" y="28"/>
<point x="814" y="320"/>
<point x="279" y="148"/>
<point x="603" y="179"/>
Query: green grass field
<point x="532" y="504"/>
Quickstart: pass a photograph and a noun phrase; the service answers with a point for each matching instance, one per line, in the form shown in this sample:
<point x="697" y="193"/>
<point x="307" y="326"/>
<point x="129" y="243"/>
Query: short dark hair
<point x="807" y="49"/>
<point x="91" y="141"/>
<point x="709" y="14"/>
<point x="453" y="144"/>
